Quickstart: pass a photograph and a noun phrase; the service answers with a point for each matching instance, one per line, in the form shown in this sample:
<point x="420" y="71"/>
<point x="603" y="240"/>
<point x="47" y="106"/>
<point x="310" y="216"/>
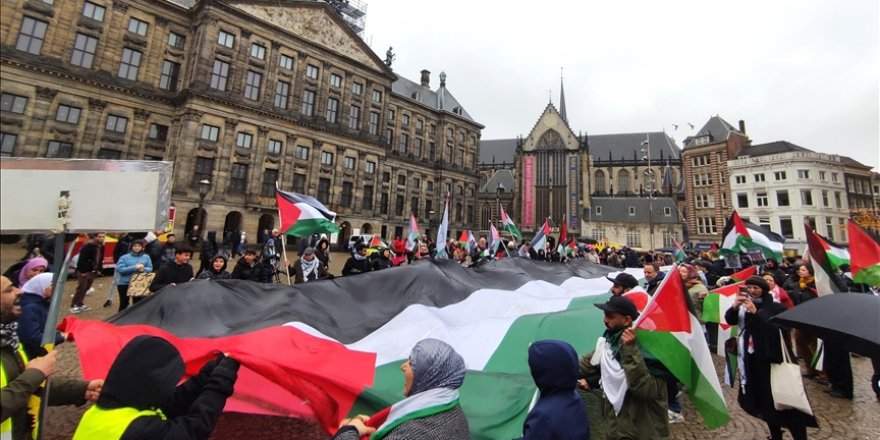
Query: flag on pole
<point x="302" y="215"/>
<point x="740" y="236"/>
<point x="467" y="241"/>
<point x="413" y="236"/>
<point x="669" y="331"/>
<point x="835" y="254"/>
<point x="441" y="233"/>
<point x="822" y="268"/>
<point x="539" y="243"/>
<point x="563" y="232"/>
<point x="680" y="256"/>
<point x="864" y="249"/>
<point x="494" y="239"/>
<point x="508" y="225"/>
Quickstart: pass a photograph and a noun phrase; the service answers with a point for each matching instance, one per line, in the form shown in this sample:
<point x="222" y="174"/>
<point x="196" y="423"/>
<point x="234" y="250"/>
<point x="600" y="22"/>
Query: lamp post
<point x="649" y="183"/>
<point x="204" y="187"/>
<point x="430" y="224"/>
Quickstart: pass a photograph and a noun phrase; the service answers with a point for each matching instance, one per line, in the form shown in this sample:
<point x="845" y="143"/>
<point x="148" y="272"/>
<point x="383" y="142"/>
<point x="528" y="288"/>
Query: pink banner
<point x="528" y="192"/>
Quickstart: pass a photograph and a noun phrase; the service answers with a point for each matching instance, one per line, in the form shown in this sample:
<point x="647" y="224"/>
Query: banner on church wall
<point x="574" y="190"/>
<point x="528" y="191"/>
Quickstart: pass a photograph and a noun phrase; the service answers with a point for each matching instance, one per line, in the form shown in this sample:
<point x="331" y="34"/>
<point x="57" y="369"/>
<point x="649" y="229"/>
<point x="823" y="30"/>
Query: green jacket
<point x="644" y="412"/>
<point x="22" y="383"/>
<point x="694" y="292"/>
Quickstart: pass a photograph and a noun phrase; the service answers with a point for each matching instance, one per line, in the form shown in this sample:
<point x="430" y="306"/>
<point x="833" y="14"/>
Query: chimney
<point x="426" y="78"/>
<point x="742" y="126"/>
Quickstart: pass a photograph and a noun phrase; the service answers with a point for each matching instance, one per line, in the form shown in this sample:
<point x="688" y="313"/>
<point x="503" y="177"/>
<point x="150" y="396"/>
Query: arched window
<point x="623" y="182"/>
<point x="600" y="182"/>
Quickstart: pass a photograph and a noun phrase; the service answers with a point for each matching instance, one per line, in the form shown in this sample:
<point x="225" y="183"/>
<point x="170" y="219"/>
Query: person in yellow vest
<point x="141" y="400"/>
<point x="22" y="379"/>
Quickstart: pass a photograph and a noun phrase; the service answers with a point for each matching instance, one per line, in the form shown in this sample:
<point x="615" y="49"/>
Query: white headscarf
<point x="38" y="284"/>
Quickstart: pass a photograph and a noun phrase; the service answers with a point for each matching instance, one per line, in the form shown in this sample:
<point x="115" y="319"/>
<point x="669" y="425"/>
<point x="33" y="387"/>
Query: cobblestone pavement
<point x="839" y="419"/>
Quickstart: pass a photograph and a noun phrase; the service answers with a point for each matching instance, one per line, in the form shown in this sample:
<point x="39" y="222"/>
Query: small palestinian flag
<point x="823" y="271"/>
<point x="836" y="254"/>
<point x="412" y="238"/>
<point x="302" y="215"/>
<point x="441" y="251"/>
<point x="539" y="243"/>
<point x="864" y="249"/>
<point x="680" y="256"/>
<point x="494" y="239"/>
<point x="508" y="225"/>
<point x="740" y="236"/>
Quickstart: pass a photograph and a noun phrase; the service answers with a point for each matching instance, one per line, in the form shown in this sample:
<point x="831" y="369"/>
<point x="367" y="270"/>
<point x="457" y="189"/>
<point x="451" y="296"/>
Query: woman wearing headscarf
<point x="759" y="345"/>
<point x="803" y="290"/>
<point x="695" y="287"/>
<point x="31" y="268"/>
<point x="432" y="376"/>
<point x="35" y="297"/>
<point x="135" y="261"/>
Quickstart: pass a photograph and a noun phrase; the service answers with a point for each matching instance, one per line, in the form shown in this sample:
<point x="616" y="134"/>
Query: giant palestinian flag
<point x="864" y="250"/>
<point x="302" y="215"/>
<point x="669" y="331"/>
<point x="740" y="236"/>
<point x="330" y="348"/>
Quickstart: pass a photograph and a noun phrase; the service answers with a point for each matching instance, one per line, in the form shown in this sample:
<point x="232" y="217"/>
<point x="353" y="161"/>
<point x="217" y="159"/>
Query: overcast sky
<point x="804" y="71"/>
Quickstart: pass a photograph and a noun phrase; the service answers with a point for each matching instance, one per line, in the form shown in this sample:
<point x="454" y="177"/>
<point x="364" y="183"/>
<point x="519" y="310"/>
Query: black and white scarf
<point x="308" y="267"/>
<point x="9" y="335"/>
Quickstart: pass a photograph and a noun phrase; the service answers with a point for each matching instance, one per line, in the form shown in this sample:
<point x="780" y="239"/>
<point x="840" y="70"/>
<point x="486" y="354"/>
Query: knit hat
<point x="755" y="280"/>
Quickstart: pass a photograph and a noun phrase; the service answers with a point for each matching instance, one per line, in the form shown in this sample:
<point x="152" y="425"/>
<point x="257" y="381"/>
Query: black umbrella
<point x="586" y="240"/>
<point x="850" y="321"/>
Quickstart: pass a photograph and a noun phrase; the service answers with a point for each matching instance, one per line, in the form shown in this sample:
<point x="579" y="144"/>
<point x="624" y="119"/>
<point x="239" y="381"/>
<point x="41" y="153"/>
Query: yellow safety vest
<point x="33" y="402"/>
<point x="109" y="424"/>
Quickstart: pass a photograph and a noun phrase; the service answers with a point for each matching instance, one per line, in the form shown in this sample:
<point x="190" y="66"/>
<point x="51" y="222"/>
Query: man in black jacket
<point x="143" y="378"/>
<point x="248" y="268"/>
<point x="175" y="272"/>
<point x="87" y="267"/>
<point x="357" y="263"/>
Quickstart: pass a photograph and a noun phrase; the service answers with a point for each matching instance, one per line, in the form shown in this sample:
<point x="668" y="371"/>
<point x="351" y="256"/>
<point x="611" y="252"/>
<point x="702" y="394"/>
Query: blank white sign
<point x="105" y="195"/>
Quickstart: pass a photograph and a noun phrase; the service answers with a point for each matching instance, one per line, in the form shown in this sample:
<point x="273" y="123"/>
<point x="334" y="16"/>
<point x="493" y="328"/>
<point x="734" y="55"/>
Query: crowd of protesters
<point x="625" y="392"/>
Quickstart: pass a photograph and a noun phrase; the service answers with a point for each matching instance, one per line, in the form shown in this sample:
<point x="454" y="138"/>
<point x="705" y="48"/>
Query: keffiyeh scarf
<point x="9" y="335"/>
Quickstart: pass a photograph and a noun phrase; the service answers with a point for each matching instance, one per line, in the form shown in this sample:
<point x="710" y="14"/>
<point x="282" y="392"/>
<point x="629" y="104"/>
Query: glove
<point x="209" y="366"/>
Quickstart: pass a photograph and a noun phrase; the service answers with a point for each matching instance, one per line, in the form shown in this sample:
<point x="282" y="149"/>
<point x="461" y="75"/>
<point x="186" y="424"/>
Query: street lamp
<point x="204" y="187"/>
<point x="430" y="224"/>
<point x="649" y="183"/>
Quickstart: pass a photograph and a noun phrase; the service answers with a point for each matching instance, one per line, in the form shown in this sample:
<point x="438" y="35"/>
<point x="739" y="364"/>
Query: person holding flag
<point x="634" y="388"/>
<point x="412" y="239"/>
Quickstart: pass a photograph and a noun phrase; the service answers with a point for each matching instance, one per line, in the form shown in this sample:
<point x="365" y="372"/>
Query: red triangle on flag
<point x="668" y="311"/>
<point x="287" y="210"/>
<point x="739" y="226"/>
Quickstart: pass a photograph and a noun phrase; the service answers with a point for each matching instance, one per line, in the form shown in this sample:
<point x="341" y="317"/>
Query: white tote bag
<point x="787" y="385"/>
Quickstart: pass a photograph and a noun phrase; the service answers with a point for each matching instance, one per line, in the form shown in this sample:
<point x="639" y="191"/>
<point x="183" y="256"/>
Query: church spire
<point x="562" y="98"/>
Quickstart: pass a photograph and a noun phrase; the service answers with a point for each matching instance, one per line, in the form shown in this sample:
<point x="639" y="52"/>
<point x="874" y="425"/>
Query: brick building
<point x="705" y="176"/>
<point x="242" y="94"/>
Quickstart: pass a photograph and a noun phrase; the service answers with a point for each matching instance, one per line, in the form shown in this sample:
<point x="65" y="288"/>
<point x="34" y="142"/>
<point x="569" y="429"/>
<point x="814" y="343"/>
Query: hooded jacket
<point x="144" y="377"/>
<point x="559" y="413"/>
<point x="210" y="274"/>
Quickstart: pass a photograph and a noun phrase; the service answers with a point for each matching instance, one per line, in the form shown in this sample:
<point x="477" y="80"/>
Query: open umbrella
<point x="850" y="321"/>
<point x="586" y="240"/>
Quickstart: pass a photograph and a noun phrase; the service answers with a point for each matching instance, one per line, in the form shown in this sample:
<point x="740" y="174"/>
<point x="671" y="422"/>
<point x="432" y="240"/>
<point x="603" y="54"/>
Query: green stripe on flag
<point x="497" y="399"/>
<point x="678" y="358"/>
<point x="868" y="275"/>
